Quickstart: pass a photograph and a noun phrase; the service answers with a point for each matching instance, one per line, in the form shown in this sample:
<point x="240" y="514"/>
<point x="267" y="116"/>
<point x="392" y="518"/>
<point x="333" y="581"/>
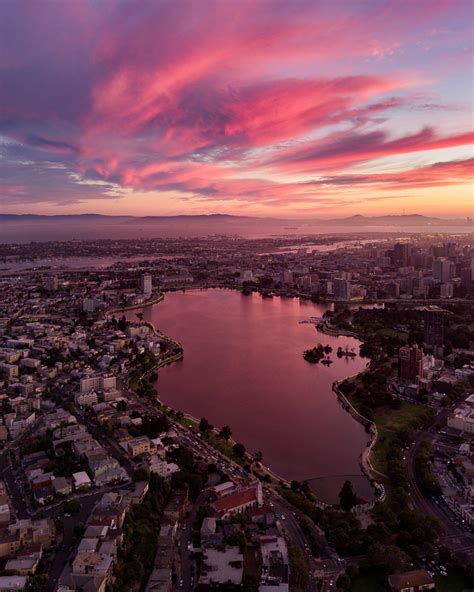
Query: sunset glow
<point x="246" y="107"/>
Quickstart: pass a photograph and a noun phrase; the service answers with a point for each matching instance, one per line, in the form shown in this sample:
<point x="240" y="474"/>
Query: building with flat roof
<point x="462" y="419"/>
<point x="10" y="583"/>
<point x="224" y="565"/>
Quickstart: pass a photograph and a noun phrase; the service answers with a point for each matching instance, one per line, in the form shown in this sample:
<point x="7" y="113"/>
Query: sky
<point x="250" y="107"/>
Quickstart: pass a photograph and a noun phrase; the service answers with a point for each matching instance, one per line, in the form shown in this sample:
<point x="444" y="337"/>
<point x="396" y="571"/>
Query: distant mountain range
<point x="357" y="220"/>
<point x="25" y="228"/>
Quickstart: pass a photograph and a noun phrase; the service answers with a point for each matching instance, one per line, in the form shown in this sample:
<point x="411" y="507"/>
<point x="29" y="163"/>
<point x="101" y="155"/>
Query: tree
<point x="79" y="530"/>
<point x="141" y="475"/>
<point x="204" y="425"/>
<point x="344" y="582"/>
<point x="72" y="506"/>
<point x="295" y="485"/>
<point x="300" y="574"/>
<point x="347" y="497"/>
<point x="122" y="406"/>
<point x="225" y="432"/>
<point x="237" y="539"/>
<point x="239" y="450"/>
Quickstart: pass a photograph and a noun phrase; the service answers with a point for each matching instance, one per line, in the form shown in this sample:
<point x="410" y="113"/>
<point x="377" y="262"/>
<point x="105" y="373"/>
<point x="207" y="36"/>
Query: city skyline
<point x="264" y="109"/>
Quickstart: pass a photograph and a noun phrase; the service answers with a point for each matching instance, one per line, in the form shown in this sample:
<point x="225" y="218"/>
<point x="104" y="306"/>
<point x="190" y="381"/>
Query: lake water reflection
<point x="243" y="366"/>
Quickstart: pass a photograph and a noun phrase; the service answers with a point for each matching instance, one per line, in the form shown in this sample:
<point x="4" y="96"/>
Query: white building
<point x="246" y="275"/>
<point x="84" y="399"/>
<point x="462" y="418"/>
<point x="104" y="383"/>
<point x="9" y="583"/>
<point x="146" y="284"/>
<point x="162" y="468"/>
<point x="81" y="480"/>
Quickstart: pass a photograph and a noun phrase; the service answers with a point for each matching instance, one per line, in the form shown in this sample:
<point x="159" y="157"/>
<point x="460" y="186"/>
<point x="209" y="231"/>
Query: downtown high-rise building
<point x="410" y="363"/>
<point x="434" y="330"/>
<point x="442" y="270"/>
<point x="342" y="289"/>
<point x="401" y="254"/>
<point x="146" y="284"/>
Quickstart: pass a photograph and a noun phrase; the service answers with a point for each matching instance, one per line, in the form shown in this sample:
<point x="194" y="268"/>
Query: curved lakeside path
<point x="244" y="367"/>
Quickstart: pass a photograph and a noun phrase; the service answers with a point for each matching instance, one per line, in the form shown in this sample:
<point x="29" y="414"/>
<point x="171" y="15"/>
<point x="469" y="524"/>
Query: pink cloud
<point x="348" y="148"/>
<point x="217" y="99"/>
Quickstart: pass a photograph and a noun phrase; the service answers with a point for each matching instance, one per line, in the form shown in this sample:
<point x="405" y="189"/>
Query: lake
<point x="243" y="366"/>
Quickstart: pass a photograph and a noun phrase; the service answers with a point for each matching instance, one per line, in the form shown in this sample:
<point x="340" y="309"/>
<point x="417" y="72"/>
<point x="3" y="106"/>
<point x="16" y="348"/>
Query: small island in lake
<point x="345" y="353"/>
<point x="317" y="353"/>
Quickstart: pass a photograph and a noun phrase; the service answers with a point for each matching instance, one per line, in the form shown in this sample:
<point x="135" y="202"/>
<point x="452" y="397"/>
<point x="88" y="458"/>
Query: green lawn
<point x="387" y="332"/>
<point x="398" y="419"/>
<point x="388" y="422"/>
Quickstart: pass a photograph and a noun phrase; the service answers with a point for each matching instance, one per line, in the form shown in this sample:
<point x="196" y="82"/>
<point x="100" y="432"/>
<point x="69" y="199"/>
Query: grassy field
<point x="393" y="333"/>
<point x="388" y="422"/>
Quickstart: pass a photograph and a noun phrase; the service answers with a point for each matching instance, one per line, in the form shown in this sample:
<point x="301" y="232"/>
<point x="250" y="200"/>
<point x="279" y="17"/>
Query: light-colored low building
<point x="462" y="419"/>
<point x="11" y="583"/>
<point x="86" y="399"/>
<point x="81" y="481"/>
<point x="139" y="446"/>
<point x="224" y="565"/>
<point x="23" y="566"/>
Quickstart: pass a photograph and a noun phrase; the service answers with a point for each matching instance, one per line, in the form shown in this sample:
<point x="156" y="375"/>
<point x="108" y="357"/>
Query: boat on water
<point x="327" y="361"/>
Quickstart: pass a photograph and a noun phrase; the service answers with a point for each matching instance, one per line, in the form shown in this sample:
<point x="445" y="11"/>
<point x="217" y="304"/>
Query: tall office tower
<point x="434" y="330"/>
<point x="450" y="248"/>
<point x="286" y="278"/>
<point x="466" y="279"/>
<point x="146" y="284"/>
<point x="446" y="290"/>
<point x="246" y="275"/>
<point x="50" y="283"/>
<point x="342" y="289"/>
<point x="410" y="363"/>
<point x="401" y="254"/>
<point x="89" y="305"/>
<point x="442" y="270"/>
